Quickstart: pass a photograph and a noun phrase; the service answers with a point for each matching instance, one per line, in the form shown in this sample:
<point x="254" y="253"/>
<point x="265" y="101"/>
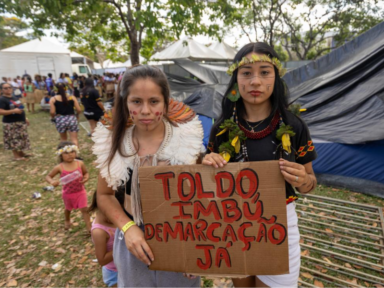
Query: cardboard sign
<point x="229" y="221"/>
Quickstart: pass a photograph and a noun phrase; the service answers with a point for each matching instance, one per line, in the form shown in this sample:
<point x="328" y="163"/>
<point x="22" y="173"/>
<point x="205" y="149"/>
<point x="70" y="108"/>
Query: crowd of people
<point x="257" y="127"/>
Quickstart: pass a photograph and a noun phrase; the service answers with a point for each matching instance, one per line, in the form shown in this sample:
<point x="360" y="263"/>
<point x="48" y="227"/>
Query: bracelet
<point x="127" y="226"/>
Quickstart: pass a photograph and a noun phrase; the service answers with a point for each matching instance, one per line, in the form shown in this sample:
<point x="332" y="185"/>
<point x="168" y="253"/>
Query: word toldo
<point x="201" y="230"/>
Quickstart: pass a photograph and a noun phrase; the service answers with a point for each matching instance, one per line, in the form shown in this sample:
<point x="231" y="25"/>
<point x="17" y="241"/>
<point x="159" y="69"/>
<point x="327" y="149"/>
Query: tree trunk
<point x="135" y="49"/>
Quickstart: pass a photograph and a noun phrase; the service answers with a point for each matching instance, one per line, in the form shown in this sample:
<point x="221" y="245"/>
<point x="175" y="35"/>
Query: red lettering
<point x="207" y="254"/>
<point x="188" y="233"/>
<point x="165" y="180"/>
<point x="282" y="234"/>
<point x="221" y="254"/>
<point x="149" y="231"/>
<point x="199" y="228"/>
<point x="219" y="184"/>
<point x="262" y="233"/>
<point x="200" y="189"/>
<point x="181" y="205"/>
<point x="167" y="230"/>
<point x="245" y="239"/>
<point x="229" y="232"/>
<point x="211" y="229"/>
<point x="253" y="183"/>
<point x="158" y="230"/>
<point x="180" y="186"/>
<point x="230" y="206"/>
<point x="258" y="212"/>
<point x="211" y="209"/>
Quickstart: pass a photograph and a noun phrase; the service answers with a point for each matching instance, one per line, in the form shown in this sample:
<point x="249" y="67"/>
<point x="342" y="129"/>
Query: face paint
<point x="157" y="113"/>
<point x="243" y="88"/>
<point x="268" y="86"/>
<point x="134" y="113"/>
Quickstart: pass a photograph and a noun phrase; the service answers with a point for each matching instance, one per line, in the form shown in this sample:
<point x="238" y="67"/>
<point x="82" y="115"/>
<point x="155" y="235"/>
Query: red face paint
<point x="134" y="113"/>
<point x="158" y="119"/>
<point x="157" y="113"/>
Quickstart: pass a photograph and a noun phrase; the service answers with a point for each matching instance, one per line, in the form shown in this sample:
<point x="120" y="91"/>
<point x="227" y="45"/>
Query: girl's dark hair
<point x="61" y="88"/>
<point x="121" y="113"/>
<point x="93" y="207"/>
<point x="61" y="75"/>
<point x="278" y="98"/>
<point x="88" y="86"/>
<point x="62" y="144"/>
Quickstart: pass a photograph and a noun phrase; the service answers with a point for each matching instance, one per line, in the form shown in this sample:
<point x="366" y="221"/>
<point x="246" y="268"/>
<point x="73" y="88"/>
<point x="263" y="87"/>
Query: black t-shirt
<point x="89" y="99"/>
<point x="267" y="148"/>
<point x="5" y="104"/>
<point x="65" y="109"/>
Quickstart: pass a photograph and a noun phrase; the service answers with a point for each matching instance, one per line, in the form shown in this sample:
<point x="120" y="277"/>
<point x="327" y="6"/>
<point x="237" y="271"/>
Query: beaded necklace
<point x="277" y="119"/>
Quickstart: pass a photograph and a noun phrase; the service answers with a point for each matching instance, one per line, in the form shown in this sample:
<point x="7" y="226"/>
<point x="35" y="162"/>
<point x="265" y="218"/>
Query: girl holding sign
<point x="147" y="130"/>
<point x="255" y="125"/>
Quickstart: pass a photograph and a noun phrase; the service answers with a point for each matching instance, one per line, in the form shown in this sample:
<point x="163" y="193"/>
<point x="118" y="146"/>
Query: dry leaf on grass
<point x="348" y="265"/>
<point x="306" y="275"/>
<point x="328" y="230"/>
<point x="304" y="253"/>
<point x="12" y="283"/>
<point x="82" y="260"/>
<point x="319" y="284"/>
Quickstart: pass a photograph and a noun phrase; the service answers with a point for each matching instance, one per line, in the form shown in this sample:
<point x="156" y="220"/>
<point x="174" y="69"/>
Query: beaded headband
<point x="67" y="149"/>
<point x="256" y="58"/>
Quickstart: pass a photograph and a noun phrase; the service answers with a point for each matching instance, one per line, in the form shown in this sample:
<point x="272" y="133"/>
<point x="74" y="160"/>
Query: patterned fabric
<point x="16" y="136"/>
<point x="66" y="123"/>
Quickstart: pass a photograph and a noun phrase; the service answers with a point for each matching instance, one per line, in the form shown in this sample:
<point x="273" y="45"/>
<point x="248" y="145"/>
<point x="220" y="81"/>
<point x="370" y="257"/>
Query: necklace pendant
<point x="252" y="131"/>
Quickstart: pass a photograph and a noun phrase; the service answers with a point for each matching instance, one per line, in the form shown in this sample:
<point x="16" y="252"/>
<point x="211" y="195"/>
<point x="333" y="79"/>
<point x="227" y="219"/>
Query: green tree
<point x="318" y="27"/>
<point x="135" y="18"/>
<point x="9" y="26"/>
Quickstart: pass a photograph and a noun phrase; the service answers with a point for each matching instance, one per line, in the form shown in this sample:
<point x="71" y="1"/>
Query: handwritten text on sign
<point x="218" y="220"/>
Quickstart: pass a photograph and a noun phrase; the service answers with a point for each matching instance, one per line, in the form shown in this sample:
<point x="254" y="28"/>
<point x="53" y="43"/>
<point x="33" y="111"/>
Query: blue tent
<point x="343" y="92"/>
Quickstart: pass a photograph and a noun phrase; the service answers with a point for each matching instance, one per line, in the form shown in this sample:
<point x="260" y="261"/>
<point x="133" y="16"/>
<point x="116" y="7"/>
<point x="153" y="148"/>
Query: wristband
<point x="127" y="226"/>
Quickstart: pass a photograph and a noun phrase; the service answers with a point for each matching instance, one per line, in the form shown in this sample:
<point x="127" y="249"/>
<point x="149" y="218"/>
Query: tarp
<point x="203" y="96"/>
<point x="343" y="91"/>
<point x="188" y="48"/>
<point x="38" y="46"/>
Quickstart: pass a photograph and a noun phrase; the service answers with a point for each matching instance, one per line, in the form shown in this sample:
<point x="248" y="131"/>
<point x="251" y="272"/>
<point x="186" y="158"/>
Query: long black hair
<point x="278" y="98"/>
<point x="89" y="85"/>
<point x="121" y="114"/>
<point x="61" y="90"/>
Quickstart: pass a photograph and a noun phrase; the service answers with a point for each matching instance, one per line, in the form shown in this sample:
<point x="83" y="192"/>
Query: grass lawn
<point x="32" y="231"/>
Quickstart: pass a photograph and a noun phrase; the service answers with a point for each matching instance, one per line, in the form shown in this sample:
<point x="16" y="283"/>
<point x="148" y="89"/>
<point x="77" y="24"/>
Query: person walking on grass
<point x="73" y="193"/>
<point x="63" y="113"/>
<point x="93" y="106"/>
<point x="29" y="90"/>
<point x="103" y="235"/>
<point x="14" y="124"/>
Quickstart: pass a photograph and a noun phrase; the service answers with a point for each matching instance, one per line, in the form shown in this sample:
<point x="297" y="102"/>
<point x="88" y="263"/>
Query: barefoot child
<point x="103" y="235"/>
<point x="74" y="194"/>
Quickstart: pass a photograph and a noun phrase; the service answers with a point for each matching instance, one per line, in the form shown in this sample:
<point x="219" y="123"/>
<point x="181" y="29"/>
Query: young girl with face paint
<point x="141" y="134"/>
<point x="256" y="101"/>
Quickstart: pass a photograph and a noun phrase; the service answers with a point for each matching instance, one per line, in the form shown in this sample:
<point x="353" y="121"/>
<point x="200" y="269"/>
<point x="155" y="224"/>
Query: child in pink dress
<point x="103" y="235"/>
<point x="74" y="194"/>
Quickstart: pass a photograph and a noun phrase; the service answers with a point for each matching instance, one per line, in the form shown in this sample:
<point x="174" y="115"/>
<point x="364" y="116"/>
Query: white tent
<point x="109" y="64"/>
<point x="35" y="57"/>
<point x="224" y="50"/>
<point x="188" y="48"/>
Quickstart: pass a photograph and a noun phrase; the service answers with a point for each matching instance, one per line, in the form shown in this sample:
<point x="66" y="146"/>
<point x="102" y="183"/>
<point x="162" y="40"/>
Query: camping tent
<point x="224" y="50"/>
<point x="343" y="92"/>
<point x="187" y="48"/>
<point x="35" y="57"/>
